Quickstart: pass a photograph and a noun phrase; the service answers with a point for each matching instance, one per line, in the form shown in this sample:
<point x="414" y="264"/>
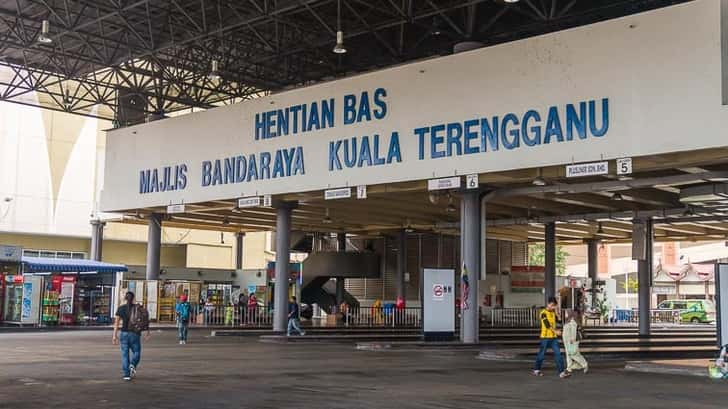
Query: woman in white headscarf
<point x="570" y="334"/>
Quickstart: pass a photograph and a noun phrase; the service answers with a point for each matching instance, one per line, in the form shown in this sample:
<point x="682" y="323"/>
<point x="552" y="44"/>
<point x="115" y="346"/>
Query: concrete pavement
<point x="81" y="369"/>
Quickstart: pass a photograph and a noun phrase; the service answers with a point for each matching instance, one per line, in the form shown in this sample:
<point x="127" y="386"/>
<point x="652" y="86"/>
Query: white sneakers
<point x="183" y="342"/>
<point x="127" y="378"/>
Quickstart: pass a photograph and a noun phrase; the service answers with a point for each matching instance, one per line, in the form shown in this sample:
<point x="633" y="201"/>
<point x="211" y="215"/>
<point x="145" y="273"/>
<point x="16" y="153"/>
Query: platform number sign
<point x="361" y="192"/>
<point x="624" y="166"/>
<point x="471" y="181"/>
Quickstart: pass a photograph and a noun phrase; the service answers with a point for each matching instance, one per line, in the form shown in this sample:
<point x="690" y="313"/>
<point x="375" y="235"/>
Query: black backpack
<point x="138" y="319"/>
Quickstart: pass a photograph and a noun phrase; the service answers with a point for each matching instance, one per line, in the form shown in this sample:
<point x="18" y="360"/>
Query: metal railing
<point x="528" y="317"/>
<point x="514" y="317"/>
<point x="233" y="316"/>
<point x="660" y="316"/>
<point x="409" y="317"/>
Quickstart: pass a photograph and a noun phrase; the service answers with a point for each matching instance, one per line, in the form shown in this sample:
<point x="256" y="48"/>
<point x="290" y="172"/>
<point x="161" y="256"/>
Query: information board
<point x="438" y="304"/>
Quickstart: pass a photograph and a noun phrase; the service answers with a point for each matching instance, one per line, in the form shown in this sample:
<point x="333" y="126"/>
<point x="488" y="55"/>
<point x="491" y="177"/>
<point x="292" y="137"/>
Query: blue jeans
<point x="294" y="325"/>
<point x="182" y="327"/>
<point x="553" y="343"/>
<point x="130" y="341"/>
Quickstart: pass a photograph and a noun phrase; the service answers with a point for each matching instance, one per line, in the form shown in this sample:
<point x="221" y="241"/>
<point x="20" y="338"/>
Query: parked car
<point x="692" y="311"/>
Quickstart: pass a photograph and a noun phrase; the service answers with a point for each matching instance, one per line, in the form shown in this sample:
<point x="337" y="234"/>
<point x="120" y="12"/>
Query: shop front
<point x="9" y="266"/>
<point x="67" y="291"/>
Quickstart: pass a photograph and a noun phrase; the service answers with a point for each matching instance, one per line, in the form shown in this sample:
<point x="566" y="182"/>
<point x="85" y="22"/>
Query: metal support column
<point x="239" y="238"/>
<point x="643" y="236"/>
<point x="550" y="261"/>
<point x="97" y="239"/>
<point x="470" y="213"/>
<point x="592" y="263"/>
<point x="340" y="284"/>
<point x="154" y="246"/>
<point x="282" y="273"/>
<point x="401" y="265"/>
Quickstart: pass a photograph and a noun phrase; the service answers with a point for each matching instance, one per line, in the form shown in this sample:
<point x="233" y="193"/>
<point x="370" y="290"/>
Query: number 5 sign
<point x="624" y="166"/>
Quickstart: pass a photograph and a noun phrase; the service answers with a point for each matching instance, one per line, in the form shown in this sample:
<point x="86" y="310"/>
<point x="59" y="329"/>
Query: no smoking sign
<point x="438" y="291"/>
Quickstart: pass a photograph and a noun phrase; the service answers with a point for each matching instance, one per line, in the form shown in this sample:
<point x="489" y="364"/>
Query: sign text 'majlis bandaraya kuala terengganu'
<point x="488" y="133"/>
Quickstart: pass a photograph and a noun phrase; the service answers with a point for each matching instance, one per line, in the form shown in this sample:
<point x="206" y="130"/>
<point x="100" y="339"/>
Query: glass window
<point x="63" y="254"/>
<point x="680" y="305"/>
<point x="31" y="253"/>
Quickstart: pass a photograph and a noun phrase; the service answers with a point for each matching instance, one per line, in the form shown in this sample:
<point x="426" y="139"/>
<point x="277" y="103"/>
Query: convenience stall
<point x="68" y="291"/>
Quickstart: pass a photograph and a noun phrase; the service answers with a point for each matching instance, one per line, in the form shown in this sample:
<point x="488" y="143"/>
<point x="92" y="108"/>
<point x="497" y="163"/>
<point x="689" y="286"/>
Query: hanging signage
<point x="471" y="181"/>
<point x="361" y="192"/>
<point x="341" y="193"/>
<point x="624" y="166"/>
<point x="176" y="208"/>
<point x="587" y="169"/>
<point x="267" y="200"/>
<point x="444" y="183"/>
<point x="249" y="202"/>
<point x="418" y="121"/>
<point x="11" y="254"/>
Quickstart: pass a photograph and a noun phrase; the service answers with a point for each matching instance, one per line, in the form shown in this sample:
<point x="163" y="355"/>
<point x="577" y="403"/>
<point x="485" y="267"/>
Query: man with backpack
<point x="131" y="320"/>
<point x="182" y="310"/>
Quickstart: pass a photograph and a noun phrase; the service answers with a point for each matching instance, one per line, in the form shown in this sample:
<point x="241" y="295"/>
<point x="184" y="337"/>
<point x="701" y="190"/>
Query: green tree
<point x="537" y="257"/>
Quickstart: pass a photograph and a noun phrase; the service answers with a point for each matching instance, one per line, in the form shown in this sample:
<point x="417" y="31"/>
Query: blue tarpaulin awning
<point x="60" y="265"/>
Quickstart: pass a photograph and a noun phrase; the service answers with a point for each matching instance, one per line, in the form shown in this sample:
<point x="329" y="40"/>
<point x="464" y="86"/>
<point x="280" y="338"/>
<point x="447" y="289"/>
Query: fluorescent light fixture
<point x="43" y="36"/>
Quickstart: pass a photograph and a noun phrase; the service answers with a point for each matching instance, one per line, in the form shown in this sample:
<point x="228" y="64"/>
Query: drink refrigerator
<point x="66" y="298"/>
<point x="30" y="307"/>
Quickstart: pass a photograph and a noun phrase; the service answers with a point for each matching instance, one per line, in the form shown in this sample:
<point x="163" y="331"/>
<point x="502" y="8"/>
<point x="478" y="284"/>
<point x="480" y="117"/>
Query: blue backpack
<point x="183" y="311"/>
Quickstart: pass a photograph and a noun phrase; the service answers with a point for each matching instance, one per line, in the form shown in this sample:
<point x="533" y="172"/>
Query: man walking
<point x="182" y="310"/>
<point x="549" y="339"/>
<point x="132" y="319"/>
<point x="293" y="318"/>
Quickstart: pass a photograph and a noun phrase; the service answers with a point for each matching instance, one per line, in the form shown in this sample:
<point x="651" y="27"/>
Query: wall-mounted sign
<point x="11" y="254"/>
<point x="471" y="181"/>
<point x="176" y="208"/>
<point x="624" y="166"/>
<point x="361" y="192"/>
<point x="587" y="169"/>
<point x="249" y="202"/>
<point x="376" y="129"/>
<point x="267" y="200"/>
<point x="444" y="183"/>
<point x="340" y="193"/>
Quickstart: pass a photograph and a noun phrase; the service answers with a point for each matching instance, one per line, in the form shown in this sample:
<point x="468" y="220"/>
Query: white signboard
<point x="249" y="202"/>
<point x="444" y="183"/>
<point x="267" y="200"/>
<point x="471" y="181"/>
<point x="433" y="119"/>
<point x="438" y="303"/>
<point x="11" y="254"/>
<point x="176" y="208"/>
<point x="624" y="166"/>
<point x="341" y="193"/>
<point x="587" y="169"/>
<point x="361" y="192"/>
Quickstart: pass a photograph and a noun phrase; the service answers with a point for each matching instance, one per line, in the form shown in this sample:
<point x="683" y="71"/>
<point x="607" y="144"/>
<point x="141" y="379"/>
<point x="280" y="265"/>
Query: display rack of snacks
<point x="51" y="308"/>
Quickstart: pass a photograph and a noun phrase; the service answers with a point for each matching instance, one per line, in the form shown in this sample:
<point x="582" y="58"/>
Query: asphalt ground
<point x="81" y="369"/>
